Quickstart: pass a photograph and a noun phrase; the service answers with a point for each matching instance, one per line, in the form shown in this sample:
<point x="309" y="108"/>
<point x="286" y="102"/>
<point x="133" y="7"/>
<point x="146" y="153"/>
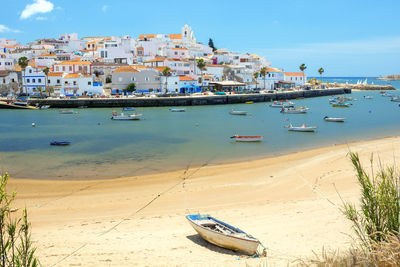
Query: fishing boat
<point x="341" y="104"/>
<point x="299" y="110"/>
<point x="302" y="128"/>
<point x="387" y="94"/>
<point x="123" y="117"/>
<point x="395" y="99"/>
<point x="224" y="235"/>
<point x="326" y="118"/>
<point x="44" y="107"/>
<point x="66" y="111"/>
<point x="368" y="97"/>
<point x="21" y="103"/>
<point x="237" y="112"/>
<point x="128" y="109"/>
<point x="60" y="143"/>
<point x="177" y="109"/>
<point x="247" y="138"/>
<point x="278" y="104"/>
<point x="249" y="102"/>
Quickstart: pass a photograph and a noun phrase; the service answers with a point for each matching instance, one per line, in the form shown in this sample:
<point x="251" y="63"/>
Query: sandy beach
<point x="288" y="202"/>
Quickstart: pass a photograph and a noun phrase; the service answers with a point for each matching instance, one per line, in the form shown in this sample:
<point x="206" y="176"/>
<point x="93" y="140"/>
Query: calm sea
<point x="164" y="140"/>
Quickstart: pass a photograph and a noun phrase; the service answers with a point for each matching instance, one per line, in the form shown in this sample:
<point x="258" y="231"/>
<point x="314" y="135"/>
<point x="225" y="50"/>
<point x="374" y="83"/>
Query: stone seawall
<point x="183" y="100"/>
<point x="365" y="87"/>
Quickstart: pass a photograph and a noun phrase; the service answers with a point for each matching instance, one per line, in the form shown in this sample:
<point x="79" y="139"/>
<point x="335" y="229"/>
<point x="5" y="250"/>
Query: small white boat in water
<point x="395" y="99"/>
<point x="123" y="116"/>
<point x="326" y="118"/>
<point x="177" y="109"/>
<point x="247" y="138"/>
<point x="368" y="97"/>
<point x="302" y="128"/>
<point x="300" y="110"/>
<point x="279" y="104"/>
<point x="66" y="111"/>
<point x="237" y="112"/>
<point x="44" y="107"/>
<point x="224" y="235"/>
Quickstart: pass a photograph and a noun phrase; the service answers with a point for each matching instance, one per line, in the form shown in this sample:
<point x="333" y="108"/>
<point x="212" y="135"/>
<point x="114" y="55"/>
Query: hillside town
<point x="172" y="64"/>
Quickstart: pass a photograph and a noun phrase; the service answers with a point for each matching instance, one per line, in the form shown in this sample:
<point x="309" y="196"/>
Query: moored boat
<point x="341" y="105"/>
<point x="122" y="116"/>
<point x="247" y="138"/>
<point x="249" y="102"/>
<point x="66" y="111"/>
<point x="60" y="143"/>
<point x="44" y="107"/>
<point x="237" y="112"/>
<point x="326" y="118"/>
<point x="302" y="128"/>
<point x="278" y="104"/>
<point x="395" y="99"/>
<point x="300" y="110"/>
<point x="177" y="109"/>
<point x="128" y="109"/>
<point x="224" y="235"/>
<point x="368" y="97"/>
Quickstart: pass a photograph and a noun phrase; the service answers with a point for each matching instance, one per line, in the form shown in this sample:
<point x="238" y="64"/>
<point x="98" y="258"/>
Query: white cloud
<point x="41" y="18"/>
<point x="38" y="6"/>
<point x="104" y="8"/>
<point x="4" y="28"/>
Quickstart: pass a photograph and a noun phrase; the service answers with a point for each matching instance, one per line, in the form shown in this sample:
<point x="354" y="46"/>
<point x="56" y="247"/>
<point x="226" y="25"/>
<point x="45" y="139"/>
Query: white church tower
<point x="188" y="34"/>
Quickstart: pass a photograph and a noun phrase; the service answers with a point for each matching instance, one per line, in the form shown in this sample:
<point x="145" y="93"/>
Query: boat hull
<point x="248" y="138"/>
<point x="233" y="112"/>
<point x="247" y="246"/>
<point x="335" y="119"/>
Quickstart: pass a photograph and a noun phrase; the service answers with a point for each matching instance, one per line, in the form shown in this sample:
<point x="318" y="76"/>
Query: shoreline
<point x="273" y="199"/>
<point x="217" y="163"/>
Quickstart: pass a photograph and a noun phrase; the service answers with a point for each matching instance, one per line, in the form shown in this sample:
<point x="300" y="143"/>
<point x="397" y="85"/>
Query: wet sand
<point x="288" y="202"/>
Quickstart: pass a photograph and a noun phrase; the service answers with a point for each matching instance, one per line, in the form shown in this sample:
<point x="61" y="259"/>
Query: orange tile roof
<point x="273" y="69"/>
<point x="179" y="49"/>
<point x="185" y="78"/>
<point x="47" y="56"/>
<point x="157" y="59"/>
<point x="175" y="36"/>
<point x="54" y="74"/>
<point x="294" y="74"/>
<point x="125" y="69"/>
<point x="147" y="36"/>
<point x="74" y="63"/>
<point x="215" y="65"/>
<point x="72" y="75"/>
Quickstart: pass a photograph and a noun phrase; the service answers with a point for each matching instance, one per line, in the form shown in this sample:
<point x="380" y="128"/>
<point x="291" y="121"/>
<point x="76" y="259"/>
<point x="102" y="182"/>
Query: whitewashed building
<point x="297" y="78"/>
<point x="33" y="80"/>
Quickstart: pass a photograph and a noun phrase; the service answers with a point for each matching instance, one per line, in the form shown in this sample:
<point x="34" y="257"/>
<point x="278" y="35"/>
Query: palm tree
<point x="320" y="71"/>
<point x="23" y="63"/>
<point x="256" y="75"/>
<point x="263" y="72"/>
<point x="201" y="65"/>
<point x="302" y="68"/>
<point x="166" y="72"/>
<point x="46" y="72"/>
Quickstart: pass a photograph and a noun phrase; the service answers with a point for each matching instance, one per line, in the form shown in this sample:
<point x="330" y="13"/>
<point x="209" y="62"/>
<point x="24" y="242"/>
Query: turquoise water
<point x="164" y="140"/>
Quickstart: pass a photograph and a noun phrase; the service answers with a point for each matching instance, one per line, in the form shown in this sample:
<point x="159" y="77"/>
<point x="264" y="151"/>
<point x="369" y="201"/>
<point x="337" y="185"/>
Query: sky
<point x="345" y="37"/>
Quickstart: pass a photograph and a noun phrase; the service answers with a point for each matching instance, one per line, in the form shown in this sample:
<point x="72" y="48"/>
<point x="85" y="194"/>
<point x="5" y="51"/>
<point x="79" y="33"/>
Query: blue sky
<point x="346" y="38"/>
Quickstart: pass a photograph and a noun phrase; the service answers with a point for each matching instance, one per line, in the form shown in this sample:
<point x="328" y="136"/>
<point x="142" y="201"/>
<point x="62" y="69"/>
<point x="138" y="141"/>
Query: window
<point x="85" y="68"/>
<point x="63" y="68"/>
<point x="80" y="68"/>
<point x="89" y="83"/>
<point x="120" y="79"/>
<point x="146" y="79"/>
<point x="176" y="53"/>
<point x="33" y="80"/>
<point x="4" y="80"/>
<point x="133" y="79"/>
<point x="74" y="82"/>
<point x="157" y="79"/>
<point x="48" y="81"/>
<point x="58" y="81"/>
<point x="70" y="68"/>
<point x="30" y="71"/>
<point x="12" y="80"/>
<point x="39" y="80"/>
<point x="57" y="69"/>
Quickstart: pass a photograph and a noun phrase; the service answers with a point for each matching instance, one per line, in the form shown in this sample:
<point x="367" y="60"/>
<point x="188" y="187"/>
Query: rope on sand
<point x="184" y="178"/>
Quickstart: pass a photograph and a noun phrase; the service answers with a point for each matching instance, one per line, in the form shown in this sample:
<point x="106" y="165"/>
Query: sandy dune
<point x="288" y="202"/>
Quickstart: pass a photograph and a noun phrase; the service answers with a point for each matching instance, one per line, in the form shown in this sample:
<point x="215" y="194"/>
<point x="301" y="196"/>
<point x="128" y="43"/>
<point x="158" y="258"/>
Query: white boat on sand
<point x="225" y="235"/>
<point x="123" y="116"/>
<point x="237" y="112"/>
<point x="302" y="128"/>
<point x="326" y="118"/>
